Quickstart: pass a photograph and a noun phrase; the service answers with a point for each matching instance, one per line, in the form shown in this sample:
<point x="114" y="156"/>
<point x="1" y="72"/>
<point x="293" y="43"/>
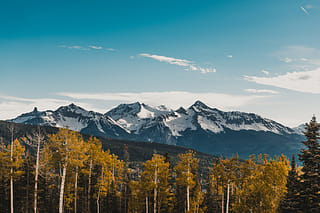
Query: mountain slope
<point x="199" y="126"/>
<point x="75" y="118"/>
<point x="138" y="151"/>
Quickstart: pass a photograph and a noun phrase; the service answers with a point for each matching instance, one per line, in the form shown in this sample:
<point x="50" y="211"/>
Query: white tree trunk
<point x="227" y="205"/>
<point x="11" y="170"/>
<point x="37" y="173"/>
<point x="188" y="191"/>
<point x="155" y="190"/>
<point x="98" y="200"/>
<point x="76" y="191"/>
<point x="147" y="205"/>
<point x="89" y="184"/>
<point x="222" y="200"/>
<point x="64" y="172"/>
<point x="11" y="190"/>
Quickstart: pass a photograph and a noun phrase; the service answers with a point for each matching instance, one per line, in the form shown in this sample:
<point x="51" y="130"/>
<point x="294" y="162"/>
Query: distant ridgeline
<point x="198" y="127"/>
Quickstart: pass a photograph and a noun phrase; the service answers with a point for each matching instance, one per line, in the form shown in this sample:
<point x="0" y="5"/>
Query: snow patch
<point x="209" y="125"/>
<point x="179" y="123"/>
<point x="72" y="123"/>
<point x="144" y="113"/>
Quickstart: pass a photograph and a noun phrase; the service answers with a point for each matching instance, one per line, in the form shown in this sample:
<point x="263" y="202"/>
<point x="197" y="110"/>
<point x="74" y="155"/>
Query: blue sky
<point x="253" y="56"/>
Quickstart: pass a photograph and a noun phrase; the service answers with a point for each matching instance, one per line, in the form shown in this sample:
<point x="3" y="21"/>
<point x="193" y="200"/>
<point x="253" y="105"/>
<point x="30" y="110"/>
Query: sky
<point x="252" y="56"/>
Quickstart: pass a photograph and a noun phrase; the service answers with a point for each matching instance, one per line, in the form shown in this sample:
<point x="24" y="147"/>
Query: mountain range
<point x="199" y="127"/>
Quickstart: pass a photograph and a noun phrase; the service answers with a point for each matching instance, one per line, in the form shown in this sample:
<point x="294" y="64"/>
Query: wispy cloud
<point x="304" y="10"/>
<point x="265" y="72"/>
<point x="172" y="99"/>
<point x="89" y="47"/>
<point x="189" y="65"/>
<point x="76" y="47"/>
<point x="96" y="47"/>
<point x="287" y="60"/>
<point x="304" y="81"/>
<point x="298" y="56"/>
<point x="229" y="56"/>
<point x="261" y="91"/>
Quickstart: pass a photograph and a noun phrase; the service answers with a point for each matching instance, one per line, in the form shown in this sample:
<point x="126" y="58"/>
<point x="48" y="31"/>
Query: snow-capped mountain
<point x="199" y="127"/>
<point x="77" y="119"/>
<point x="300" y="129"/>
<point x="134" y="116"/>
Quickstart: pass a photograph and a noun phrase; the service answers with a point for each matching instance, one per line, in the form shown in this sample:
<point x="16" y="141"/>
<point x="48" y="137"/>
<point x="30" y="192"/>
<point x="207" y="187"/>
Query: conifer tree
<point x="309" y="198"/>
<point x="289" y="202"/>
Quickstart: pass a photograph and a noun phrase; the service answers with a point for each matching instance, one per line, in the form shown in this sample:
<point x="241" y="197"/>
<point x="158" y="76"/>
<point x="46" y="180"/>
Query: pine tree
<point x="309" y="198"/>
<point x="289" y="202"/>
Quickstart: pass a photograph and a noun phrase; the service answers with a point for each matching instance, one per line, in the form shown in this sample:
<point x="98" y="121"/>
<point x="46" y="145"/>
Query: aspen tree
<point x="110" y="169"/>
<point x="15" y="155"/>
<point x="34" y="140"/>
<point x="186" y="180"/>
<point x="93" y="152"/>
<point x="61" y="145"/>
<point x="155" y="177"/>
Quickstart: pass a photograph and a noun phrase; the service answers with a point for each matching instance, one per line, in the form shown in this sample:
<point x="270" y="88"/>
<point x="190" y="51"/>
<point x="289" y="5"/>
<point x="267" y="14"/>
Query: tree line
<point x="64" y="172"/>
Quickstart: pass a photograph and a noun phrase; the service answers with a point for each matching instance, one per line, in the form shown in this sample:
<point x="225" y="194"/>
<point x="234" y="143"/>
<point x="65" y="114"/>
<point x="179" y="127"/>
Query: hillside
<point x="138" y="151"/>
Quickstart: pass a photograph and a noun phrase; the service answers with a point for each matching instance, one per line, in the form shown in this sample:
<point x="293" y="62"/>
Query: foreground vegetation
<point x="67" y="173"/>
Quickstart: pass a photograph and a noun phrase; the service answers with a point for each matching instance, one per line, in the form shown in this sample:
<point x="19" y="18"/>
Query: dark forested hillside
<point x="138" y="151"/>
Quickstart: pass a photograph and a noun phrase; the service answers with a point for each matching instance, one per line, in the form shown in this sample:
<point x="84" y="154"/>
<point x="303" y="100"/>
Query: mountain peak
<point x="73" y="106"/>
<point x="181" y="110"/>
<point x="199" y="104"/>
<point x="35" y="110"/>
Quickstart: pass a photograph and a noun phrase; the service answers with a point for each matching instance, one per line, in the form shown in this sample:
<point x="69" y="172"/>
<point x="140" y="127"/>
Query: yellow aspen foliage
<point x="17" y="157"/>
<point x="188" y="195"/>
<point x="155" y="179"/>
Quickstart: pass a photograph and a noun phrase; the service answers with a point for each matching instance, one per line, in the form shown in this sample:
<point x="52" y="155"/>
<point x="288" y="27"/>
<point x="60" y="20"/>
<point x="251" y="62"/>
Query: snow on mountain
<point x="137" y="117"/>
<point x="300" y="129"/>
<point x="179" y="121"/>
<point x="199" y="127"/>
<point x="134" y="116"/>
<point x="75" y="118"/>
<point x="201" y="116"/>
